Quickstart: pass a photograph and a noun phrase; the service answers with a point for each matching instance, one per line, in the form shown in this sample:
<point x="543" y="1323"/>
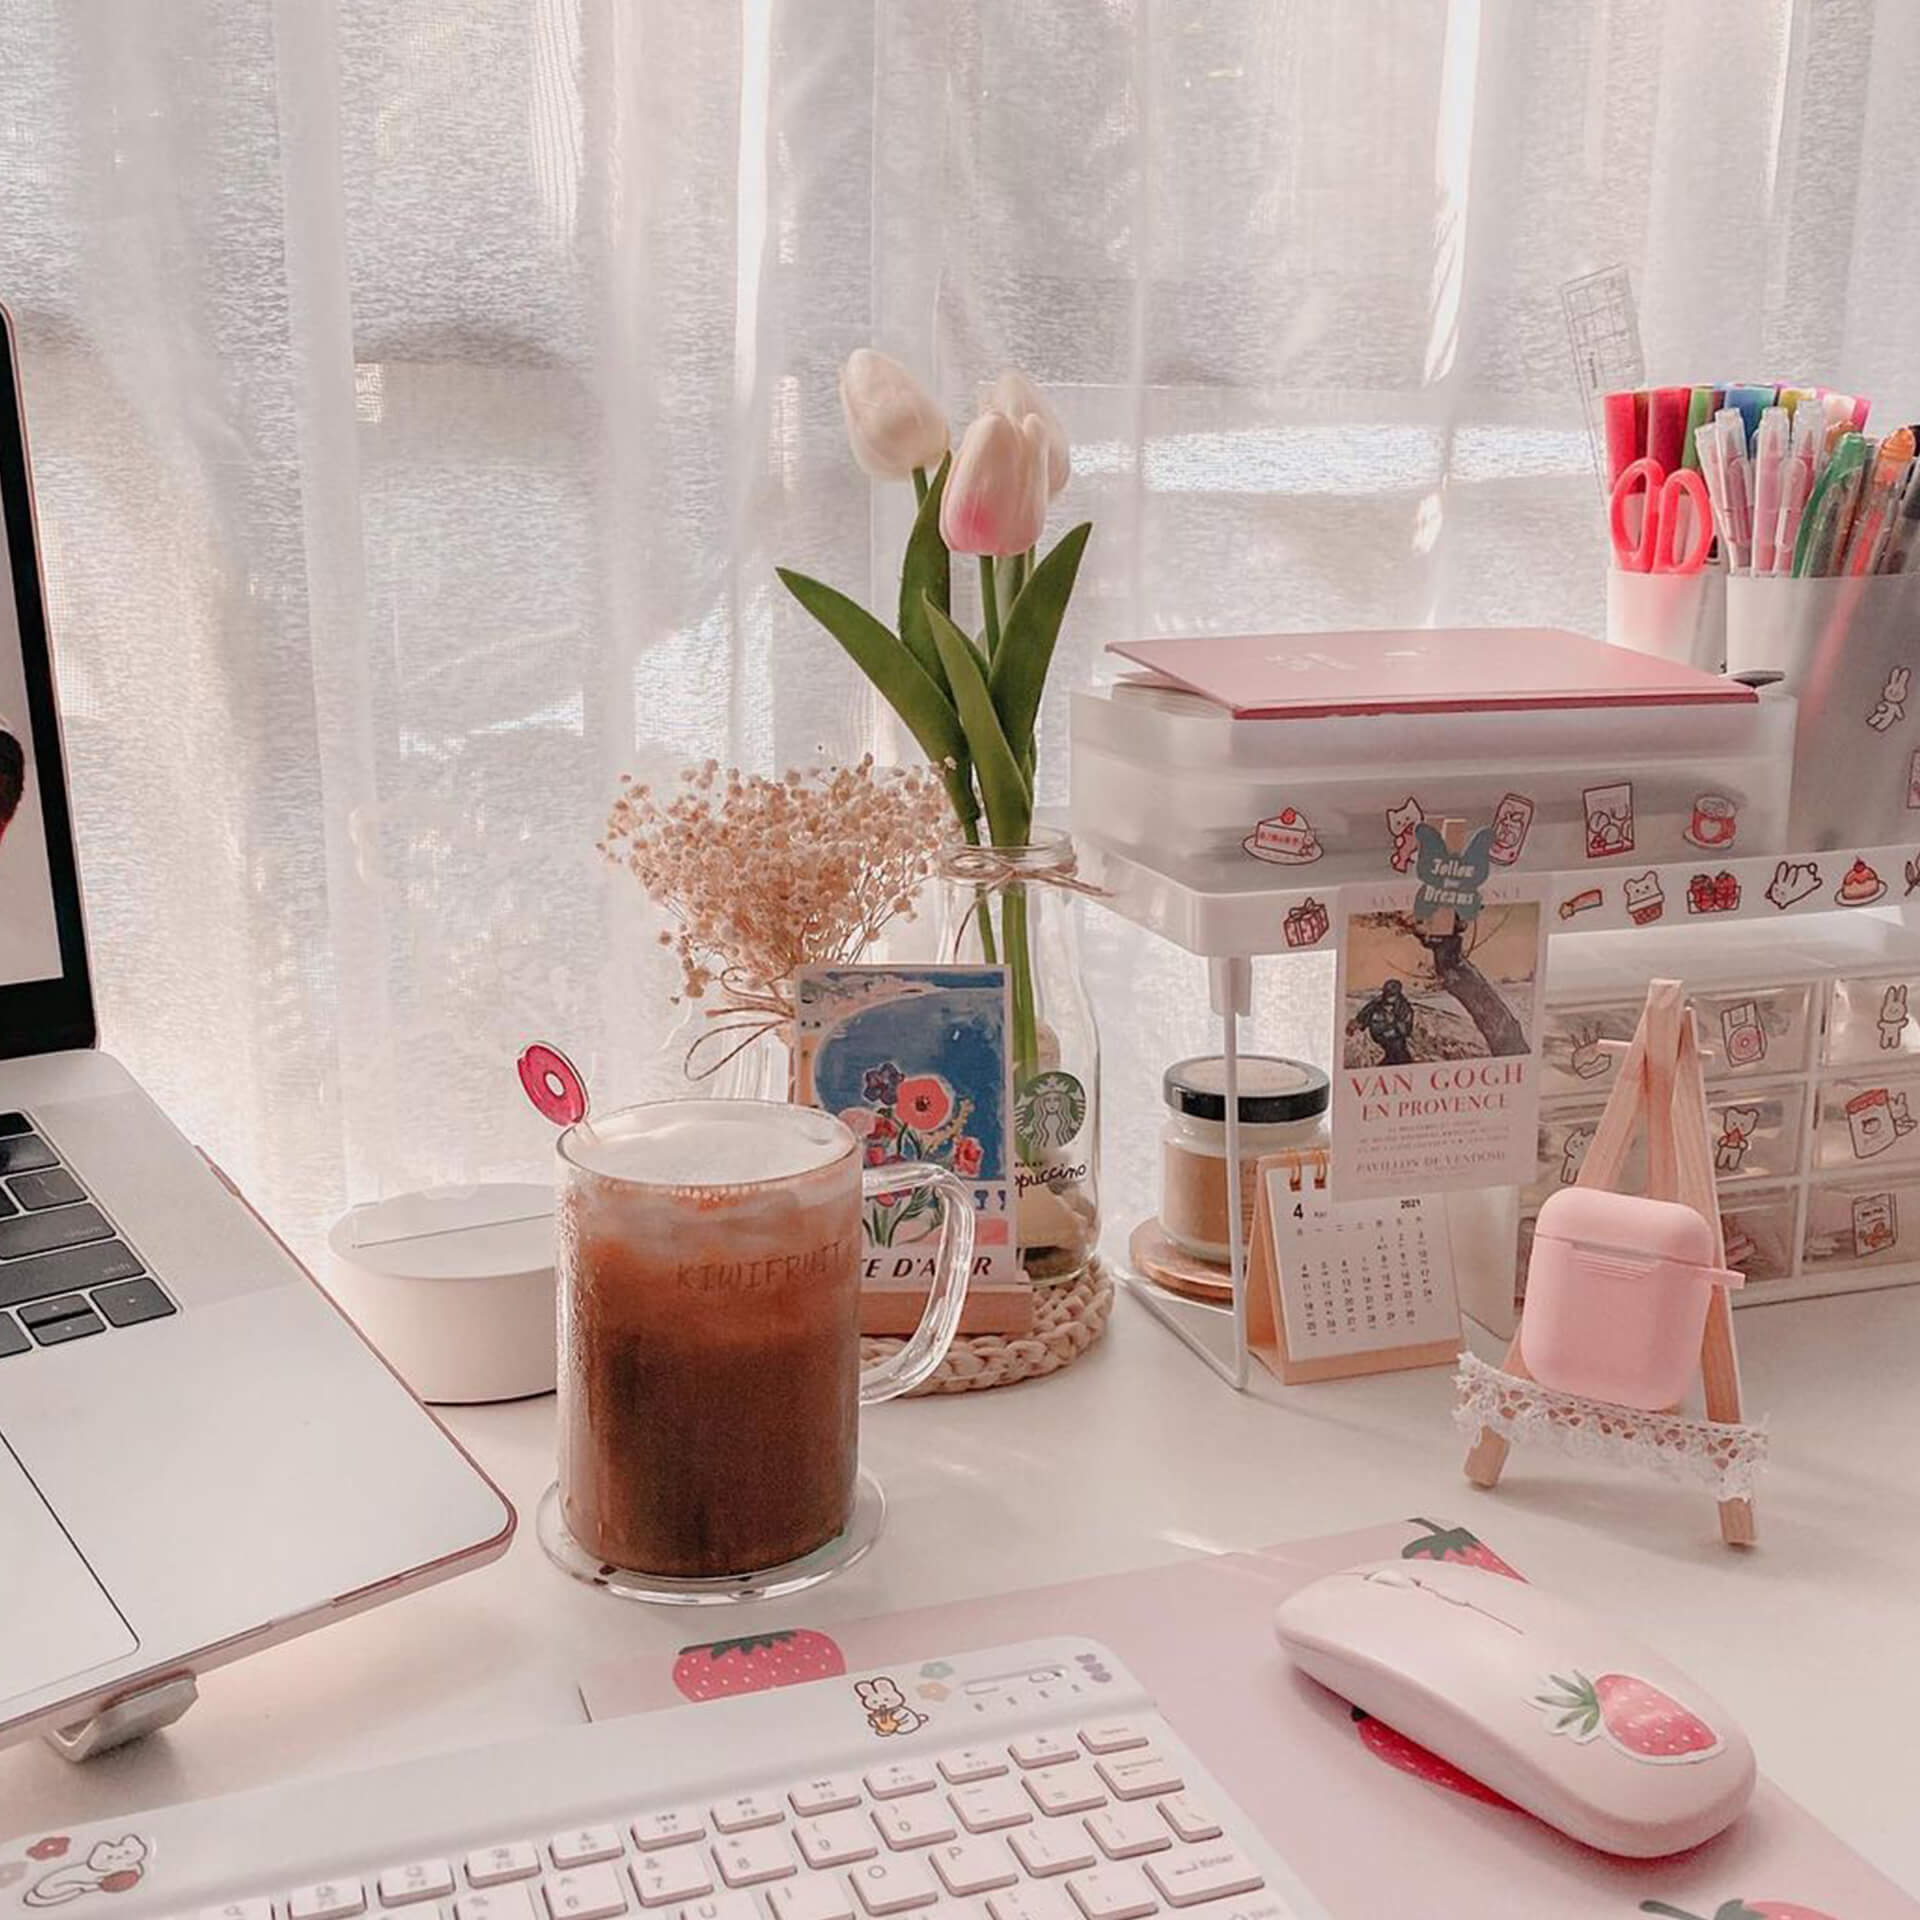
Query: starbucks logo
<point x="1049" y="1113"/>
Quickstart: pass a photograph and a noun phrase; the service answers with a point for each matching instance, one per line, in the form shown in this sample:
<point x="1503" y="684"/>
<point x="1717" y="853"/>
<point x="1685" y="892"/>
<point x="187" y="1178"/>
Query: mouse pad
<point x="1373" y="1824"/>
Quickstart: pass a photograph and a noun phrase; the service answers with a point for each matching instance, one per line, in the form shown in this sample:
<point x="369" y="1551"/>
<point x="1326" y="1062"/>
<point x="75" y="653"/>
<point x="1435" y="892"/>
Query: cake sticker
<point x="1512" y="822"/>
<point x="1860" y="886"/>
<point x="1287" y="839"/>
<point x="1587" y="1057"/>
<point x="1891" y="708"/>
<point x="1714" y="823"/>
<point x="1401" y="821"/>
<point x="1644" y="899"/>
<point x="1609" y="812"/>
<point x="1793" y="881"/>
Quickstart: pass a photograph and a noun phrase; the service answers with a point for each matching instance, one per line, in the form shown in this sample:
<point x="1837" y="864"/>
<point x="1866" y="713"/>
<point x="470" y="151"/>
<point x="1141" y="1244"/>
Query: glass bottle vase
<point x="1015" y="906"/>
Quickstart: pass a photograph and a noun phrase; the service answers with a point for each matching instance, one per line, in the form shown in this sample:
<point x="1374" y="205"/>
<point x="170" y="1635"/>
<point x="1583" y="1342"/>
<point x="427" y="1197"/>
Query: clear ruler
<point x="1603" y="331"/>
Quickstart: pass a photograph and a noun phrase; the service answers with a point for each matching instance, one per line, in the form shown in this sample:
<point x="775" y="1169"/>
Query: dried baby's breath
<point x="766" y="876"/>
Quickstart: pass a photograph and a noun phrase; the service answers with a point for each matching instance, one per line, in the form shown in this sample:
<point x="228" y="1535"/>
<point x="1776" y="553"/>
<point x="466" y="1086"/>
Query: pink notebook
<point x="1272" y="676"/>
<point x="1375" y="1825"/>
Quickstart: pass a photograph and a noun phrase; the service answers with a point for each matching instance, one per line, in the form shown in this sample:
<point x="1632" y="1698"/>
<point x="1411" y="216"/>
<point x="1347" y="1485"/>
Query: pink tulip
<point x="893" y="423"/>
<point x="996" y="498"/>
<point x="1016" y="396"/>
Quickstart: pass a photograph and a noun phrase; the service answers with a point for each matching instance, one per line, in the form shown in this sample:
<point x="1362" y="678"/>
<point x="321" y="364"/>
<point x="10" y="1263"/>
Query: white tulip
<point x="1016" y="396"/>
<point x="893" y="423"/>
<point x="996" y="498"/>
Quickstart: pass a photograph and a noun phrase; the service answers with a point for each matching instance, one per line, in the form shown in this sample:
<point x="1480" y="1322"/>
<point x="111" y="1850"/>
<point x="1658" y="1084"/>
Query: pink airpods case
<point x="1617" y="1295"/>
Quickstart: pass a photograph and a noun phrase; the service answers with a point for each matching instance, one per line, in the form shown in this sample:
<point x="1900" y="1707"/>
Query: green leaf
<point x="1027" y="640"/>
<point x="1002" y="785"/>
<point x="926" y="574"/>
<point x="904" y="684"/>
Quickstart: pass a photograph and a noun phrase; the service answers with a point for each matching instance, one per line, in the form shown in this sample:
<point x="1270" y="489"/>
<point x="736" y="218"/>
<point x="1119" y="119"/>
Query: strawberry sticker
<point x="1455" y="1544"/>
<point x="757" y="1663"/>
<point x="1388" y="1744"/>
<point x="1636" y="1717"/>
<point x="1742" y="1910"/>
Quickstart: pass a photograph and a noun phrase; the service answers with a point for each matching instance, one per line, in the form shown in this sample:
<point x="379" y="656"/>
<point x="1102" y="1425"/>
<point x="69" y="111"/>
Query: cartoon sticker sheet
<point x="1373" y="1823"/>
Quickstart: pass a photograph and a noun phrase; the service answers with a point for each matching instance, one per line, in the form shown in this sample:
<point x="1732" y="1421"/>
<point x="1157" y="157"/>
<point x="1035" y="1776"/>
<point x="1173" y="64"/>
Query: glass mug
<point x="709" y="1257"/>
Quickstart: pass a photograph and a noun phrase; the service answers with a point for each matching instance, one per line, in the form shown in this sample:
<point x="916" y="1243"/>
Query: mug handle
<point x="901" y="1372"/>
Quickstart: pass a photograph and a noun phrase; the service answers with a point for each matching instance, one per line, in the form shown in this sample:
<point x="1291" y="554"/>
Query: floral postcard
<point x="915" y="1059"/>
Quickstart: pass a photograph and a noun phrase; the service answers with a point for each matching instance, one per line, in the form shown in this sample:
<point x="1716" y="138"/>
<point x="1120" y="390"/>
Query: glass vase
<point x="718" y="1059"/>
<point x="1013" y="906"/>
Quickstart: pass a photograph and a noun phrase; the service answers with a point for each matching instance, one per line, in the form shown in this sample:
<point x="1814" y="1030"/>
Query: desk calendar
<point x="1362" y="1286"/>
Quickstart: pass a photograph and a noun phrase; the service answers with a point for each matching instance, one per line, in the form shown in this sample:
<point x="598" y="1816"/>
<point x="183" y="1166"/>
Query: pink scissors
<point x="1656" y="548"/>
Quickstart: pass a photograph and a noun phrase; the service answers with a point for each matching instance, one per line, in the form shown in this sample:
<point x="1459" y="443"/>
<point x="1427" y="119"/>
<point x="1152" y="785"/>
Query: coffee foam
<point x="706" y="1143"/>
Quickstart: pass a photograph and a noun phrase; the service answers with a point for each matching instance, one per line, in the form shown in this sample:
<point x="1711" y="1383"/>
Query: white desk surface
<point x="1137" y="1455"/>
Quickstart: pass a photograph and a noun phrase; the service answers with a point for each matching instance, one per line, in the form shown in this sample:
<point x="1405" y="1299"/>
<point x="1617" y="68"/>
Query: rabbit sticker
<point x="1892" y="706"/>
<point x="1893" y="1017"/>
<point x="1574" y="1158"/>
<point x="887" y="1709"/>
<point x="112" y="1866"/>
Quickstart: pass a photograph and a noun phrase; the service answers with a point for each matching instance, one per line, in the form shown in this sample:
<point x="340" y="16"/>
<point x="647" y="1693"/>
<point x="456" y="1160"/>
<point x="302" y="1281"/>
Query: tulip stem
<point x="989" y="605"/>
<point x="920" y="486"/>
<point x="1016" y="577"/>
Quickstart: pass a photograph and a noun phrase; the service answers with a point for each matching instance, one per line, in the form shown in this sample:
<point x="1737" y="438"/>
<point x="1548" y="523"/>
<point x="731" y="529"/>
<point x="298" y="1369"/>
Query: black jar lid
<point x="1273" y="1089"/>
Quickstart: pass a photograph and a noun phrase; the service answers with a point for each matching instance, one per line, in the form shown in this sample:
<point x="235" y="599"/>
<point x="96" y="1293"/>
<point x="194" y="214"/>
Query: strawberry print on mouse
<point x="1636" y="1717"/>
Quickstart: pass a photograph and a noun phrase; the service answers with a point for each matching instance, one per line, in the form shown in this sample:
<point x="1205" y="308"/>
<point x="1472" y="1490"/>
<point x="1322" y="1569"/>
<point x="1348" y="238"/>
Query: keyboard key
<point x="1139" y="1776"/>
<point x="505" y="1902"/>
<point x="752" y="1859"/>
<point x="989" y="1805"/>
<point x="74" y="1322"/>
<point x="826" y="1898"/>
<point x="741" y="1812"/>
<point x="67" y="1272"/>
<point x="899" y="1777"/>
<point x="973" y="1763"/>
<point x="916" y="1822"/>
<point x="673" y="1828"/>
<point x="12" y="1340"/>
<point x="327" y="1900"/>
<point x="1042" y="1750"/>
<point x="830" y="1793"/>
<point x="417" y="1880"/>
<point x="1111" y="1736"/>
<point x="895" y="1883"/>
<point x="1123" y="1832"/>
<point x="45" y="1232"/>
<point x="1188" y="1818"/>
<point x="1074" y="1789"/>
<point x="129" y="1302"/>
<point x="12" y="1123"/>
<point x="1058" y="1847"/>
<point x="586" y="1846"/>
<point x="588" y="1893"/>
<point x="495" y="1866"/>
<point x="55" y="1187"/>
<point x="1198" y="1874"/>
<point x="665" y="1879"/>
<point x="836" y="1840"/>
<point x="25" y="1153"/>
<point x="974" y="1866"/>
<point x="7" y="1204"/>
<point x="1040" y="1902"/>
<point x="1112" y="1893"/>
<point x="723" y="1906"/>
<point x="239" y="1910"/>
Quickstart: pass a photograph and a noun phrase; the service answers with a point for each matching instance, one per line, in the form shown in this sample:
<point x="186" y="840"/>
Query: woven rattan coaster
<point x="1067" y="1320"/>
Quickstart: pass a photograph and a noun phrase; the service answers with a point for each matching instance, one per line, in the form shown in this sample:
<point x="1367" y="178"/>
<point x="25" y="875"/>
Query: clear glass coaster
<point x="852" y="1543"/>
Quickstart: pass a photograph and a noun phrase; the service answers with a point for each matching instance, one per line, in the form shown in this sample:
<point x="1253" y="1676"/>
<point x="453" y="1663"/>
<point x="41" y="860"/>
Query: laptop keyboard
<point x="65" y="1271"/>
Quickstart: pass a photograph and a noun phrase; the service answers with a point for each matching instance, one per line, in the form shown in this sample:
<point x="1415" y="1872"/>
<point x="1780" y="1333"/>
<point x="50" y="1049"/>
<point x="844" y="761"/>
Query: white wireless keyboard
<point x="1034" y="1782"/>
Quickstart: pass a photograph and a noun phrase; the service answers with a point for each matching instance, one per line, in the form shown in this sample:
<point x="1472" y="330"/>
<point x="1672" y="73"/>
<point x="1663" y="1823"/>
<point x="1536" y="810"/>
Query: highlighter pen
<point x="1903" y="544"/>
<point x="1769" y="463"/>
<point x="1733" y="459"/>
<point x="1623" y="440"/>
<point x="1823" y="527"/>
<point x="1713" y="471"/>
<point x="1751" y="402"/>
<point x="1700" y="409"/>
<point x="1878" y="499"/>
<point x="1796" y="486"/>
<point x="1667" y="425"/>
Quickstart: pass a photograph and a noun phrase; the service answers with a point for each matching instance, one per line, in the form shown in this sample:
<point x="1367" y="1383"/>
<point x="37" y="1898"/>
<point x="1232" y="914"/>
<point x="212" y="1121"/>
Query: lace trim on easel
<point x="1721" y="1456"/>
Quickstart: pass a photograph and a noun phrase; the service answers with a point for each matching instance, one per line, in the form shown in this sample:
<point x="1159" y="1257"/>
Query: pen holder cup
<point x="1847" y="650"/>
<point x="1679" y="616"/>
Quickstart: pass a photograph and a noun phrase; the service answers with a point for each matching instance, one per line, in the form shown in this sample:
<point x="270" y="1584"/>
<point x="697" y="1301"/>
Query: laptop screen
<point x="45" y="1001"/>
<point x="29" y="933"/>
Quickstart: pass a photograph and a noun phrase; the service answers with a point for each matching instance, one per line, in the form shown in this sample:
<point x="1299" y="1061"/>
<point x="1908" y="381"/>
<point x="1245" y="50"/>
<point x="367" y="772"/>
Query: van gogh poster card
<point x="1438" y="1078"/>
<point x="915" y="1059"/>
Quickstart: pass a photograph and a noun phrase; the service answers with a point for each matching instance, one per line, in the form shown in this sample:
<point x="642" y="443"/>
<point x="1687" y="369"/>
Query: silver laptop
<point x="198" y="1454"/>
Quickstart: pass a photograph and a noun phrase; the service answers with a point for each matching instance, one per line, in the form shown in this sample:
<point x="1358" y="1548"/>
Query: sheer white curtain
<point x="423" y="393"/>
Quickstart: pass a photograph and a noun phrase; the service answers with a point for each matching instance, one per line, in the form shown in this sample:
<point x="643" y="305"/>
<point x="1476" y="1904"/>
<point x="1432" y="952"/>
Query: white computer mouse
<point x="1553" y="1706"/>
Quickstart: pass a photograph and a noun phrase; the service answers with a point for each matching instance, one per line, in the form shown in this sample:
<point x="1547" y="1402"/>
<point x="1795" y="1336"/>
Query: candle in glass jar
<point x="1282" y="1106"/>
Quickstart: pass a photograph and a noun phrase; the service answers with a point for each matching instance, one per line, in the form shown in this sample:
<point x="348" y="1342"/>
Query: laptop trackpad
<point x="59" y="1621"/>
